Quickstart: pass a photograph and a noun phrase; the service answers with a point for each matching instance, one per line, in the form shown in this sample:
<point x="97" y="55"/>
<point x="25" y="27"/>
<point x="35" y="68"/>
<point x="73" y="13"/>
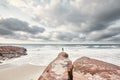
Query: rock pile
<point x="83" y="68"/>
<point x="58" y="69"/>
<point x="90" y="69"/>
<point x="7" y="52"/>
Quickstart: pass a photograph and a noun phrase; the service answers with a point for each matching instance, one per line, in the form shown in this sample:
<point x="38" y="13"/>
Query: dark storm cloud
<point x="96" y="15"/>
<point x="115" y="38"/>
<point x="107" y="34"/>
<point x="103" y="35"/>
<point x="66" y="36"/>
<point x="12" y="24"/>
<point x="105" y="13"/>
<point x="5" y="32"/>
<point x="86" y="20"/>
<point x="108" y="14"/>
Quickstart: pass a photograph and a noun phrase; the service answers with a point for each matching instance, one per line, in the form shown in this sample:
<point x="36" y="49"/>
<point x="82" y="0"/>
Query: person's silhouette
<point x="62" y="49"/>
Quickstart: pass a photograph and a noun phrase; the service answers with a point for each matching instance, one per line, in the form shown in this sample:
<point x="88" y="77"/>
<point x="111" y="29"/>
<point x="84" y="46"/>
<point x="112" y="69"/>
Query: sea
<point x="43" y="54"/>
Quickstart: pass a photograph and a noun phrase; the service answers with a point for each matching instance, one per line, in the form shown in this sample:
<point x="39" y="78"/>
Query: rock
<point x="11" y="52"/>
<point x="90" y="69"/>
<point x="58" y="69"/>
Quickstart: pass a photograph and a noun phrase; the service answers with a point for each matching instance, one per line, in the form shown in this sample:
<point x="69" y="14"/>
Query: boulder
<point x="59" y="69"/>
<point x="11" y="52"/>
<point x="90" y="69"/>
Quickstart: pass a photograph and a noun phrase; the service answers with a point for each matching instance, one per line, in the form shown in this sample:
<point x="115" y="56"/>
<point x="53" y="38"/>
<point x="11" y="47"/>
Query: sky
<point x="59" y="21"/>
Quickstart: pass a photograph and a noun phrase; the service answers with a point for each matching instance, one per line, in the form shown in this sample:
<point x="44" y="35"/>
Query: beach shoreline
<point x="20" y="72"/>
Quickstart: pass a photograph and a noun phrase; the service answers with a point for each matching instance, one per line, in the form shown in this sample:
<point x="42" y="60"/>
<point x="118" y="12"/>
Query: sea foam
<point x="44" y="54"/>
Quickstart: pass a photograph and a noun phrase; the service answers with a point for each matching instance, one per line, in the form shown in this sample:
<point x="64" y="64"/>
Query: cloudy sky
<point x="59" y="21"/>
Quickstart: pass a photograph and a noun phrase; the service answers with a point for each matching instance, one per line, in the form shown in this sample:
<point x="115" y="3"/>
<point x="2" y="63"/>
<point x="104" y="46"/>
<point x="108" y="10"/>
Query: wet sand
<point x="22" y="72"/>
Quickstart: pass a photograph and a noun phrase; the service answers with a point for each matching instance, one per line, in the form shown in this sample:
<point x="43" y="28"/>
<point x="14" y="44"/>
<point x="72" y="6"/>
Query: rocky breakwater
<point x="90" y="69"/>
<point x="7" y="52"/>
<point x="58" y="69"/>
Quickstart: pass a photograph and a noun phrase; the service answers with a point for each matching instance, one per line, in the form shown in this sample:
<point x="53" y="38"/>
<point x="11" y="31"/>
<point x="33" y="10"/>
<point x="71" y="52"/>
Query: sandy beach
<point x="22" y="72"/>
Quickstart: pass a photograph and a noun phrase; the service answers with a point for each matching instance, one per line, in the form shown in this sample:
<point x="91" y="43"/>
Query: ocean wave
<point x="43" y="55"/>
